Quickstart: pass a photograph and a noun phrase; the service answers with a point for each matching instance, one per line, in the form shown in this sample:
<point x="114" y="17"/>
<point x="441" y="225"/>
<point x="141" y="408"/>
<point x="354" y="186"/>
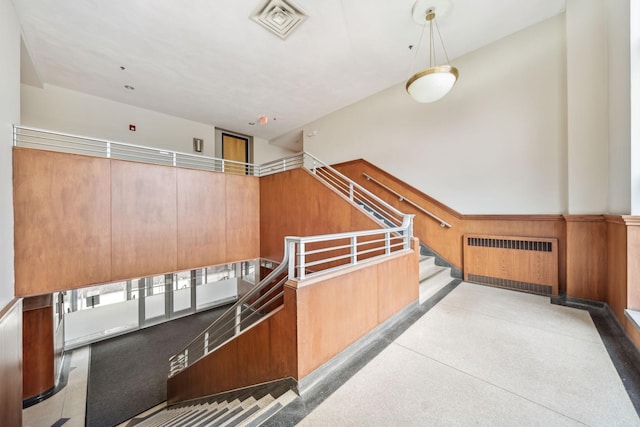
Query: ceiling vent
<point x="280" y="17"/>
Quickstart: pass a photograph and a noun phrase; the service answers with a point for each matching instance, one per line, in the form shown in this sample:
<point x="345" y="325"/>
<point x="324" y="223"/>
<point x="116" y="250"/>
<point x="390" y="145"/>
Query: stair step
<point x="269" y="410"/>
<point x="432" y="284"/>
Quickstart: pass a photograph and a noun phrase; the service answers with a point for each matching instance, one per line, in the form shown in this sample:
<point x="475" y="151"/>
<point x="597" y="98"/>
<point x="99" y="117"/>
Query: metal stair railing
<point x="301" y="261"/>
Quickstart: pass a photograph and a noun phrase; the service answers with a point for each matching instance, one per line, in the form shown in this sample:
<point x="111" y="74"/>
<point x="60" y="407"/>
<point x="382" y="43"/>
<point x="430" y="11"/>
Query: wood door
<point x="237" y="149"/>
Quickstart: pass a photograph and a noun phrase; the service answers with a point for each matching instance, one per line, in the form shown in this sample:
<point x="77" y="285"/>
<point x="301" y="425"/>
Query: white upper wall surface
<point x="9" y="115"/>
<point x="63" y="110"/>
<point x="494" y="145"/>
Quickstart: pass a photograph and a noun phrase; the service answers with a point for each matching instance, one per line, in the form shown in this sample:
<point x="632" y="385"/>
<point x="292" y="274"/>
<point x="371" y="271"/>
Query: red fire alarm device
<point x="132" y="128"/>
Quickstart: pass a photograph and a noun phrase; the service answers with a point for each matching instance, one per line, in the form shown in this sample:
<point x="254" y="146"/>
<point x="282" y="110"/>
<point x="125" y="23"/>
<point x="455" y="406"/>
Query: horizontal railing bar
<point x="442" y="222"/>
<point x="340" y="267"/>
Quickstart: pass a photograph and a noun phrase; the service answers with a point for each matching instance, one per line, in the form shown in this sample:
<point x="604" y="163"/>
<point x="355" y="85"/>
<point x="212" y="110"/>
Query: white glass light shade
<point x="433" y="83"/>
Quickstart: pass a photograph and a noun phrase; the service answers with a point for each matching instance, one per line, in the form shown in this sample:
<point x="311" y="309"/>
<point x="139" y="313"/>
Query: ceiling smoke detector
<point x="280" y="17"/>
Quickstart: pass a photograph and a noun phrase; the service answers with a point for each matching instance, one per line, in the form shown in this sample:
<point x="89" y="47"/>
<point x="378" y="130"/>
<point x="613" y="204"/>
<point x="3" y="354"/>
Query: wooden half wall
<point x="83" y="220"/>
<point x="319" y="318"/>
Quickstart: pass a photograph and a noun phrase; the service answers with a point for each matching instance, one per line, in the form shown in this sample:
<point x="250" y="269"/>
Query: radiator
<point x="528" y="264"/>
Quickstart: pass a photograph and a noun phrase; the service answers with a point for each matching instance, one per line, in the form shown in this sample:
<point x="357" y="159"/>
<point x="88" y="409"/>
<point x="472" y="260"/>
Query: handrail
<point x="442" y="222"/>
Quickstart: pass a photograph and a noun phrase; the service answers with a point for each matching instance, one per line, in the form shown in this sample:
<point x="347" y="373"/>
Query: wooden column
<point x="586" y="257"/>
<point x="37" y="347"/>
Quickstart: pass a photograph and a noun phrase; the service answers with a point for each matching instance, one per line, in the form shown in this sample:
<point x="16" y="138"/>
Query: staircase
<point x="249" y="407"/>
<point x="432" y="277"/>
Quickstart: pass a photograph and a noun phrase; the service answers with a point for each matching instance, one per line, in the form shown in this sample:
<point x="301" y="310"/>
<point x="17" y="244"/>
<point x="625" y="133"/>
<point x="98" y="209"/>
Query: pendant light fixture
<point x="436" y="81"/>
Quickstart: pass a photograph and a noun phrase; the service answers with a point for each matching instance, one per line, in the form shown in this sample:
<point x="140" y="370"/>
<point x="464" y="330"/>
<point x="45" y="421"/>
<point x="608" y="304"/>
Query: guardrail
<point x="29" y="137"/>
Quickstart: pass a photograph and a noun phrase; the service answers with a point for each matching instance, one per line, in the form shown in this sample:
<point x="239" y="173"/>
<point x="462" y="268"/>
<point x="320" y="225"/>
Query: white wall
<point x="64" y="110"/>
<point x="619" y="80"/>
<point x="264" y="152"/>
<point x="634" y="54"/>
<point x="495" y="144"/>
<point x="9" y="115"/>
<point x="587" y="113"/>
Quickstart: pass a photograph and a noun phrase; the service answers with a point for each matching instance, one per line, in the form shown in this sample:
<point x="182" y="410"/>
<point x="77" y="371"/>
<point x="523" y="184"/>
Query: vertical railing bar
<point x="301" y="260"/>
<point x="354" y="250"/>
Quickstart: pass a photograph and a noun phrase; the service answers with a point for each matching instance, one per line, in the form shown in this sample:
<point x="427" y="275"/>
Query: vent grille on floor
<point x="280" y="17"/>
<point x="525" y="245"/>
<point x="512" y="284"/>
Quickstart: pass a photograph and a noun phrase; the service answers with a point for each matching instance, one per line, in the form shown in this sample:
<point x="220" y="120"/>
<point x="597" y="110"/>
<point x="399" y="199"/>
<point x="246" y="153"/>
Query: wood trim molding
<point x="583" y="218"/>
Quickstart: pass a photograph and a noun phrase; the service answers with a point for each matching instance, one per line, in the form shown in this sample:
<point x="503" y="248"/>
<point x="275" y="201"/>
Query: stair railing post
<point x="238" y="318"/>
<point x="351" y="191"/>
<point x="354" y="250"/>
<point x="301" y="260"/>
<point x="387" y="242"/>
<point x="108" y="149"/>
<point x="292" y="259"/>
<point x="206" y="343"/>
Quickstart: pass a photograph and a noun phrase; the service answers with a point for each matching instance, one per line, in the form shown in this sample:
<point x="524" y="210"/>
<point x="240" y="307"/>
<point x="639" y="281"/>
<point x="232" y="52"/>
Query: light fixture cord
<point x="415" y="55"/>
<point x="441" y="42"/>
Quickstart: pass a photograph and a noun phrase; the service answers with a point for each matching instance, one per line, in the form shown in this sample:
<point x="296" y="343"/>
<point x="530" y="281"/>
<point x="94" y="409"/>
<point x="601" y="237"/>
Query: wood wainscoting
<point x="11" y="364"/>
<point x="449" y="242"/>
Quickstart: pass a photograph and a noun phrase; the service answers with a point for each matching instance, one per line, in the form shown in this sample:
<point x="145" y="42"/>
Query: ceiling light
<point x="433" y="83"/>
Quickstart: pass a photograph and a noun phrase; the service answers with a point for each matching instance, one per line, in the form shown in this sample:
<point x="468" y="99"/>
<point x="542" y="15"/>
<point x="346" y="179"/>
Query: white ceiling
<point x="206" y="60"/>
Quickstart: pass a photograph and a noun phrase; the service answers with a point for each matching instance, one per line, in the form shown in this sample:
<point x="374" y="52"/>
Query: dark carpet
<point x="128" y="374"/>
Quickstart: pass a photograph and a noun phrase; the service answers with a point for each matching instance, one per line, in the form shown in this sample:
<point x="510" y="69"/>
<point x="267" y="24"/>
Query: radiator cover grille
<point x="512" y="284"/>
<point x="528" y="264"/>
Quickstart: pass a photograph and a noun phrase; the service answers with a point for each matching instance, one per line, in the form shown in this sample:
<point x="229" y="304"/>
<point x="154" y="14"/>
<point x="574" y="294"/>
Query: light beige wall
<point x="587" y="113"/>
<point x="634" y="54"/>
<point x="619" y="81"/>
<point x="64" y="110"/>
<point x="495" y="144"/>
<point x="264" y="152"/>
<point x="9" y="115"/>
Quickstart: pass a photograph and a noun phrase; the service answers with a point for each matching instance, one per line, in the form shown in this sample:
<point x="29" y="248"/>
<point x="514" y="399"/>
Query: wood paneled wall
<point x="586" y="257"/>
<point x="11" y="364"/>
<point x="83" y="220"/>
<point x="265" y="352"/>
<point x="335" y="311"/>
<point x="62" y="215"/>
<point x="448" y="242"/>
<point x="296" y="203"/>
<point x="38" y="346"/>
